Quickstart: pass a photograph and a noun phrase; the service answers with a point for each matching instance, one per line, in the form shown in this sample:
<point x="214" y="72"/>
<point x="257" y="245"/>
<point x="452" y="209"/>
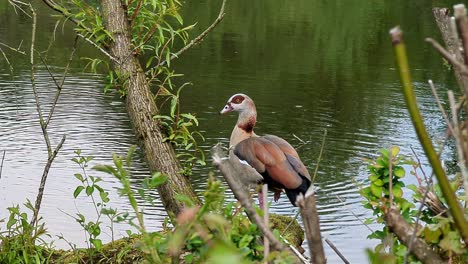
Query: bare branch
<point x="342" y="257"/>
<point x="62" y="81"/>
<point x="40" y="194"/>
<point x="448" y="56"/>
<point x="441" y="108"/>
<point x="200" y="37"/>
<point x="266" y="242"/>
<point x="413" y="235"/>
<point x="100" y="49"/>
<point x="322" y="146"/>
<point x="311" y="221"/>
<point x="458" y="135"/>
<point x="397" y="225"/>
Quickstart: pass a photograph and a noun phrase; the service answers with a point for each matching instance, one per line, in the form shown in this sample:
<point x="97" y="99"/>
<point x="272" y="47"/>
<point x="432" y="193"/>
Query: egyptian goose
<point x="272" y="157"/>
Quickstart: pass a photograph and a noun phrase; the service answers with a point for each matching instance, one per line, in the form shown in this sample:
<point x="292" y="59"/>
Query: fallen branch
<point x="398" y="226"/>
<point x="311" y="222"/>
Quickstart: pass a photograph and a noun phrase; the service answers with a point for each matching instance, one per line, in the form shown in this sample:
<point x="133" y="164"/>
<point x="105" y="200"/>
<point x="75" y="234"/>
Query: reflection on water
<point x="309" y="66"/>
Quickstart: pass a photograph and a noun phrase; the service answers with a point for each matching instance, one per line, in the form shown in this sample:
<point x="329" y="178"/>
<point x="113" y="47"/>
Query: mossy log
<point x="127" y="249"/>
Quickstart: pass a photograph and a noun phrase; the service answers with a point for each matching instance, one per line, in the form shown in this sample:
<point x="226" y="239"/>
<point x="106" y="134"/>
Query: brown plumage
<point x="272" y="157"/>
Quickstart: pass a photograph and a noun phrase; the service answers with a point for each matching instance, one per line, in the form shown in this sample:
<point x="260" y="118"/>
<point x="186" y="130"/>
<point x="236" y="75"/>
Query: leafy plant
<point x="21" y="241"/>
<point x="439" y="230"/>
<point x="176" y="126"/>
<point x="90" y="185"/>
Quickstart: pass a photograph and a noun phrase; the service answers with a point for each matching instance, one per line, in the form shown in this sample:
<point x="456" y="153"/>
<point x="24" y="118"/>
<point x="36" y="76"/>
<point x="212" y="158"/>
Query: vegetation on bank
<point x="218" y="231"/>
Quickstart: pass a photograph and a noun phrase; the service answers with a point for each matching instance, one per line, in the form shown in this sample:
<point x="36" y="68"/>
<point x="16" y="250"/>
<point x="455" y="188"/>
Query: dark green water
<point x="309" y="66"/>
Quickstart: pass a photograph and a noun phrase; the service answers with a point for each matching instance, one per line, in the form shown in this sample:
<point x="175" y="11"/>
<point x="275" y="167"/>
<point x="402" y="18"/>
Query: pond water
<point x="309" y="66"/>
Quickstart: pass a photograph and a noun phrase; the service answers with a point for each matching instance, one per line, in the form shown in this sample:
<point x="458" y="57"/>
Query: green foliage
<point x="90" y="185"/>
<point x="21" y="241"/>
<point x="439" y="230"/>
<point x="200" y="233"/>
<point x="177" y="128"/>
<point x="156" y="26"/>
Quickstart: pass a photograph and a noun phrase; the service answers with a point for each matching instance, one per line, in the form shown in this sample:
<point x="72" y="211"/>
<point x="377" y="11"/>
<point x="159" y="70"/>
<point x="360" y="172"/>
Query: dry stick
<point x="266" y="242"/>
<point x="51" y="154"/>
<point x="390" y="175"/>
<point x="311" y="222"/>
<point x="1" y="166"/>
<point x="410" y="98"/>
<point x="223" y="163"/>
<point x="397" y="224"/>
<point x="439" y="104"/>
<point x="320" y="155"/>
<point x="200" y="37"/>
<point x="459" y="140"/>
<point x="448" y="56"/>
<point x="337" y="251"/>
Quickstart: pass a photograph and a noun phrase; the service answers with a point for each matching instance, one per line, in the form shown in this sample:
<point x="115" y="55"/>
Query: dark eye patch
<point x="237" y="99"/>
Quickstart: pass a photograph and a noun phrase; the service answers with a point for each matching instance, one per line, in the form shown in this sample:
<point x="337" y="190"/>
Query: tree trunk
<point x="442" y="17"/>
<point x="141" y="108"/>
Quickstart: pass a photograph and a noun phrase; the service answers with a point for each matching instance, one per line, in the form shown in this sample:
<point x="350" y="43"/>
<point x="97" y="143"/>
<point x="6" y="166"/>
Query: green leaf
<point x="78" y="191"/>
<point x="89" y="190"/>
<point x="376" y="190"/>
<point x="431" y="236"/>
<point x="395" y="150"/>
<point x="399" y="172"/>
<point x="79" y="177"/>
<point x="174" y="103"/>
<point x="397" y="192"/>
<point x="378" y="182"/>
<point x="97" y="243"/>
<point x="373" y="177"/>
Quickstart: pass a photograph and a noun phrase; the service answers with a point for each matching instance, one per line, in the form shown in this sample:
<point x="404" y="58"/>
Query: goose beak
<point x="227" y="108"/>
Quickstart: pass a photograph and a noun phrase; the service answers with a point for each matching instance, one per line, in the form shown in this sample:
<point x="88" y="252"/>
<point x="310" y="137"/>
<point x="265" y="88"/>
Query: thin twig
<point x="266" y="242"/>
<point x="200" y="37"/>
<point x="1" y="166"/>
<point x="33" y="83"/>
<point x="390" y="176"/>
<point x="351" y="211"/>
<point x="441" y="108"/>
<point x="13" y="49"/>
<point x="62" y="81"/>
<point x="100" y="49"/>
<point x="416" y="224"/>
<point x="342" y="257"/>
<point x="459" y="140"/>
<point x="322" y="146"/>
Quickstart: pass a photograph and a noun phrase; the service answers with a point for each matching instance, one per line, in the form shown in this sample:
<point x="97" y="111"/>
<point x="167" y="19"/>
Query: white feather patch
<point x="244" y="162"/>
